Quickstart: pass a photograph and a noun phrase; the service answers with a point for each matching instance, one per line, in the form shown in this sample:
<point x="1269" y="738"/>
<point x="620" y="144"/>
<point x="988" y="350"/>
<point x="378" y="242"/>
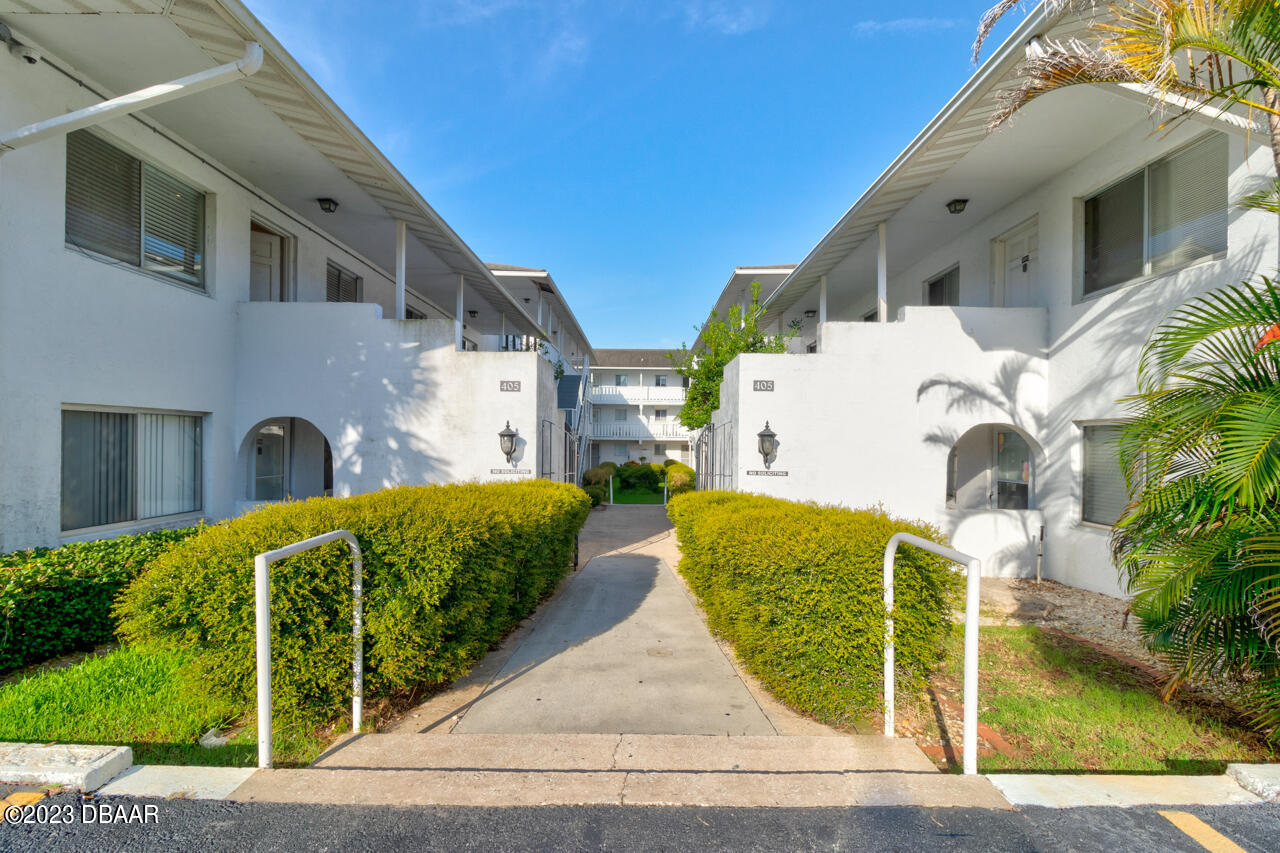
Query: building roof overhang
<point x="277" y="130"/>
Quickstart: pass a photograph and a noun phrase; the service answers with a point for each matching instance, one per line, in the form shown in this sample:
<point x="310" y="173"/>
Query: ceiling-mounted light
<point x="473" y="314"/>
<point x="811" y="313"/>
<point x="957" y="205"/>
<point x="328" y="205"/>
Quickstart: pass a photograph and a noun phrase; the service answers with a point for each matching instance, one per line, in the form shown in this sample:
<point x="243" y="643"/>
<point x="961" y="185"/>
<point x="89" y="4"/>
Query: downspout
<point x="142" y="99"/>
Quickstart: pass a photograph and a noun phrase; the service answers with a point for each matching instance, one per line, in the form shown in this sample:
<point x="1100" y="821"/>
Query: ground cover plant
<point x="1065" y="706"/>
<point x="58" y="600"/>
<point x="448" y="570"/>
<point x="796" y="588"/>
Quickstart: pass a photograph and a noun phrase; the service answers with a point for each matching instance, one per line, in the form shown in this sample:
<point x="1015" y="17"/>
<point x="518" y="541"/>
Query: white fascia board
<point x="1038" y="20"/>
<point x="241" y="15"/>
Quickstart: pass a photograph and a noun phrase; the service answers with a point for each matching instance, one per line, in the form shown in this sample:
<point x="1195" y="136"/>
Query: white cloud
<point x="863" y="29"/>
<point x="461" y="13"/>
<point x="727" y="18"/>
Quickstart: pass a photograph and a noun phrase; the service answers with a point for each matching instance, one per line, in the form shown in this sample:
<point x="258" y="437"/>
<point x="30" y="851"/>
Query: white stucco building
<point x="635" y="397"/>
<point x="979" y="313"/>
<point x="230" y="295"/>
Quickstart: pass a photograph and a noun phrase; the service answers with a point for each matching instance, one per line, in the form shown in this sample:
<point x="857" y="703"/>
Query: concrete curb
<point x="84" y="768"/>
<point x="191" y="783"/>
<point x="1261" y="780"/>
<point x="1063" y="792"/>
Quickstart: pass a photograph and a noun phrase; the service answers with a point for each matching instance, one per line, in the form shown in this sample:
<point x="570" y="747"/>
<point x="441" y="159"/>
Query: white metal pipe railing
<point x="973" y="571"/>
<point x="262" y="626"/>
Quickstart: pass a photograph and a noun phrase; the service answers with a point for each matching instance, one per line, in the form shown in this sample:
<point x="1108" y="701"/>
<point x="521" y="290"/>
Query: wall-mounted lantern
<point x="507" y="441"/>
<point x="328" y="205"/>
<point x="768" y="444"/>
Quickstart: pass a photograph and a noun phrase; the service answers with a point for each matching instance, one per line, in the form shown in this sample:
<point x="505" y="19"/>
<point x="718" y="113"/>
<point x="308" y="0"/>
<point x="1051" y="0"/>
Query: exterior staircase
<point x="612" y="769"/>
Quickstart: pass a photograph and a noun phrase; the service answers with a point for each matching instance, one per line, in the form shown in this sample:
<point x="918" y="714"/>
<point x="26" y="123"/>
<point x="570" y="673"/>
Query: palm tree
<point x="1200" y="542"/>
<point x="1190" y="56"/>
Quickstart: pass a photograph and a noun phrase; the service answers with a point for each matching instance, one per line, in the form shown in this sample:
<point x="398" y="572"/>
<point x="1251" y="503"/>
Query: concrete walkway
<point x="621" y="649"/>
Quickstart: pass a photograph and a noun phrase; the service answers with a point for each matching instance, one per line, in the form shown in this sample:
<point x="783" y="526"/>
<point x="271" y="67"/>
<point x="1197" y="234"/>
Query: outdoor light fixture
<point x="507" y="441"/>
<point x="473" y="314"/>
<point x="811" y="313"/>
<point x="768" y="443"/>
<point x="957" y="205"/>
<point x="328" y="205"/>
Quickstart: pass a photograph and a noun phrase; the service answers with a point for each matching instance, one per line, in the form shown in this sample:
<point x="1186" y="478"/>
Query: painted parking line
<point x="19" y="799"/>
<point x="1203" y="834"/>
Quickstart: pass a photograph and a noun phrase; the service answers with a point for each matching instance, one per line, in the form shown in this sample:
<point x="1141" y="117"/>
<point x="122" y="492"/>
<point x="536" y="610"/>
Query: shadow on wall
<point x="1116" y="326"/>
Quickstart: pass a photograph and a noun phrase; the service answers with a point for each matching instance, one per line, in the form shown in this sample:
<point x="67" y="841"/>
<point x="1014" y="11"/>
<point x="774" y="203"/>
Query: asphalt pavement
<point x="190" y="825"/>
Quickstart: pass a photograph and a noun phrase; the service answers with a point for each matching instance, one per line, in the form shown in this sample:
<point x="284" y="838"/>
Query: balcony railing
<point x="640" y="432"/>
<point x="628" y="395"/>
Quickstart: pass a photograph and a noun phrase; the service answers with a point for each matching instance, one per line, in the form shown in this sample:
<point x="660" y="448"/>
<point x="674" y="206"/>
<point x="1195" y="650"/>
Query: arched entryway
<point x="285" y="458"/>
<point x="993" y="466"/>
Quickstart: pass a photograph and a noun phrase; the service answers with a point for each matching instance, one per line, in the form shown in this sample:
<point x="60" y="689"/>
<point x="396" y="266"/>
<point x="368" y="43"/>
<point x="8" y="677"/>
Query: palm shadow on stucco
<point x="1117" y="337"/>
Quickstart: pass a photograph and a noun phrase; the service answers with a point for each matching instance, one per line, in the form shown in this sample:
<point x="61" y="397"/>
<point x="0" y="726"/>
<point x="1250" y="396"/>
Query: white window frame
<point x="137" y="523"/>
<point x="1146" y="276"/>
<point x="206" y="285"/>
<point x="1081" y="426"/>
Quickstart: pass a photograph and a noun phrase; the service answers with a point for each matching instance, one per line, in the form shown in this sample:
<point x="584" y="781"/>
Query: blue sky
<point x="637" y="149"/>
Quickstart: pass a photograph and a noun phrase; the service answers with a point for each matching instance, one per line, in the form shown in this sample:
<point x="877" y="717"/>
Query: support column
<point x="822" y="299"/>
<point x="540" y="326"/>
<point x="457" y="315"/>
<point x="400" y="269"/>
<point x="882" y="277"/>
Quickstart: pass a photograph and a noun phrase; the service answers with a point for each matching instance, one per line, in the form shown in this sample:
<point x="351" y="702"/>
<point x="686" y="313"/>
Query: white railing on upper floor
<point x="640" y="431"/>
<point x="629" y="395"/>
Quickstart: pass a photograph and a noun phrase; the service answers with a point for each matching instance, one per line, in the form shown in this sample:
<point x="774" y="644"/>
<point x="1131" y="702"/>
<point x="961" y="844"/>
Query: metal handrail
<point x="262" y="628"/>
<point x="973" y="571"/>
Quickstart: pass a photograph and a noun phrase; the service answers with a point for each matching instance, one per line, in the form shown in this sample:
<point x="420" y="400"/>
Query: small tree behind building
<point x="722" y="341"/>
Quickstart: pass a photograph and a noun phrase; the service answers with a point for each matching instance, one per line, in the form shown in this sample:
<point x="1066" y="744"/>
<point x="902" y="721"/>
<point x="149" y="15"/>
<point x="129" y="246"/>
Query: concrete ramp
<point x="602" y="769"/>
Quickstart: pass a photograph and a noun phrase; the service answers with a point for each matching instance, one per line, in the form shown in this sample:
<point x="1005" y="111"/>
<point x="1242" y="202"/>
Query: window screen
<point x="104" y="198"/>
<point x="1170" y="214"/>
<point x="945" y="289"/>
<point x="99" y="469"/>
<point x="123" y="466"/>
<point x="128" y="210"/>
<point x="340" y="285"/>
<point x="1105" y="496"/>
<point x="1113" y="235"/>
<point x="1188" y="205"/>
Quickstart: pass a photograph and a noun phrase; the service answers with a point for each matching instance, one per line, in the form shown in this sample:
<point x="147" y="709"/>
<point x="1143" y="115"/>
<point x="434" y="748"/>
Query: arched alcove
<point x="993" y="466"/>
<point x="285" y="458"/>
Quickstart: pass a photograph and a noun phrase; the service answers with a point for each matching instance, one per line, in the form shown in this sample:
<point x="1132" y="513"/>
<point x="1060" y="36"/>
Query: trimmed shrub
<point x="611" y="467"/>
<point x="598" y="494"/>
<point x="447" y="571"/>
<point x="669" y="462"/>
<point x="630" y="463"/>
<point x="796" y="588"/>
<point x="641" y="476"/>
<point x="596" y="476"/>
<point x="680" y="478"/>
<point x="58" y="600"/>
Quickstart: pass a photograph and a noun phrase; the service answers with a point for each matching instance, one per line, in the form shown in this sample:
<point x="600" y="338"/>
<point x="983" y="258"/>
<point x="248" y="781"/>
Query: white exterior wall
<point x="609" y="398"/>
<point x="78" y="330"/>
<point x="1072" y="362"/>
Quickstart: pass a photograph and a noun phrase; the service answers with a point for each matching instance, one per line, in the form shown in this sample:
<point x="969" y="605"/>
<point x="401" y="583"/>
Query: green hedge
<point x="54" y="601"/>
<point x="597" y="476"/>
<point x="598" y="494"/>
<point x="680" y="478"/>
<point x="797" y="589"/>
<point x="448" y="570"/>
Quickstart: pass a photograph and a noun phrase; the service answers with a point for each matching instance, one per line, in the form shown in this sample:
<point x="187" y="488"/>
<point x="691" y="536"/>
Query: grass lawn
<point x="1064" y="706"/>
<point x="635" y="496"/>
<point x="144" y="701"/>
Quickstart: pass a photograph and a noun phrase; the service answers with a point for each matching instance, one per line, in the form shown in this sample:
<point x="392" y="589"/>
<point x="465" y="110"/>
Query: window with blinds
<point x="944" y="290"/>
<point x="132" y="212"/>
<point x="123" y="466"/>
<point x="340" y="285"/>
<point x="1105" y="496"/>
<point x="1172" y="213"/>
